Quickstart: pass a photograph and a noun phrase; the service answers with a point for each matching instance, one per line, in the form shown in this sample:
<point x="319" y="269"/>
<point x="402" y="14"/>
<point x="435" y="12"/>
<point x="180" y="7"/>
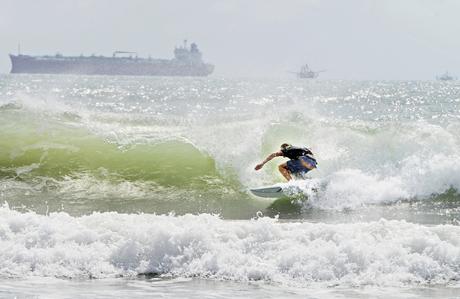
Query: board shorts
<point x="296" y="166"/>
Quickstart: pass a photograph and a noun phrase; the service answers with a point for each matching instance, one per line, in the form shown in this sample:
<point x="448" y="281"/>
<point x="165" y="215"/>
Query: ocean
<point x="127" y="187"/>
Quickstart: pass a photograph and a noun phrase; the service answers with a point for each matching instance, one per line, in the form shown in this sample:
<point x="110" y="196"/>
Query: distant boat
<point x="446" y="77"/>
<point x="307" y="73"/>
<point x="187" y="61"/>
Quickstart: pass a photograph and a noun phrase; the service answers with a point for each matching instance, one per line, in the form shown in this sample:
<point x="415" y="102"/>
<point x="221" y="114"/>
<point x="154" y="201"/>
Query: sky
<point x="350" y="39"/>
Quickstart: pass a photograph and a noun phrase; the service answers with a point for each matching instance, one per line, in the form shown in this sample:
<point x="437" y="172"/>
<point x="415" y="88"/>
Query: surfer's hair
<point x="284" y="145"/>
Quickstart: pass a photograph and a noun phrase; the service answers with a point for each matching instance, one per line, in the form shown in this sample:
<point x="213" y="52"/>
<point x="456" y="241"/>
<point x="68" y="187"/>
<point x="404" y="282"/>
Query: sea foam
<point x="101" y="245"/>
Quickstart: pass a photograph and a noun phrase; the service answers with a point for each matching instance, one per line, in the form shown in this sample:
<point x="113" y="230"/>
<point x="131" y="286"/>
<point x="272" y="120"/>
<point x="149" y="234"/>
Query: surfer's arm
<point x="271" y="156"/>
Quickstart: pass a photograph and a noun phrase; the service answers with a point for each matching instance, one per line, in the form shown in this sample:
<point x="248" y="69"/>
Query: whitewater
<point x="136" y="186"/>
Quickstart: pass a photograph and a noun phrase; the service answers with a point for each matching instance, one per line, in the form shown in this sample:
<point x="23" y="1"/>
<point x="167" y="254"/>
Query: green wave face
<point x="59" y="151"/>
<point x="48" y="165"/>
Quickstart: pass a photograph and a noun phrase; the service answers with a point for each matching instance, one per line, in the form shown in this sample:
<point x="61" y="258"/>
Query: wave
<point x="382" y="253"/>
<point x="58" y="151"/>
<point x="361" y="162"/>
<point x="51" y="164"/>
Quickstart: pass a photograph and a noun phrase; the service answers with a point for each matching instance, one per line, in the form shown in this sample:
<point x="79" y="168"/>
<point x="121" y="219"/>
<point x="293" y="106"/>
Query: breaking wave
<point x="170" y="149"/>
<point x="382" y="253"/>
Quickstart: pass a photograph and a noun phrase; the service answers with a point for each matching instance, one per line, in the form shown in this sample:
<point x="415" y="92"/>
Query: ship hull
<point x="106" y="66"/>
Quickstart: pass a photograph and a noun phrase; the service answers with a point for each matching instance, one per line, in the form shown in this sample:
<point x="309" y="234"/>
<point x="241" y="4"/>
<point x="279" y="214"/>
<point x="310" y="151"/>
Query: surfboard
<point x="268" y="192"/>
<point x="283" y="190"/>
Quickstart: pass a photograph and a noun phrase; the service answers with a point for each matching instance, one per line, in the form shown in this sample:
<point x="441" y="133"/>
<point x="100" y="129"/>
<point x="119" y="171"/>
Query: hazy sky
<point x="352" y="39"/>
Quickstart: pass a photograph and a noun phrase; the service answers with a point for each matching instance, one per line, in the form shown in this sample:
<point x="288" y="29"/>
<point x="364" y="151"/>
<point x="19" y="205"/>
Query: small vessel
<point x="446" y="77"/>
<point x="307" y="73"/>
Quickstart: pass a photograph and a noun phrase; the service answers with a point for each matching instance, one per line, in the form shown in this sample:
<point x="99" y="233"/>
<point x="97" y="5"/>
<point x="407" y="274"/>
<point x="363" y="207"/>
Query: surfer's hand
<point x="258" y="166"/>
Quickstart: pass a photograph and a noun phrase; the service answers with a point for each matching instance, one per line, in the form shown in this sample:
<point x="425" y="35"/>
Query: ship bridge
<point x="189" y="55"/>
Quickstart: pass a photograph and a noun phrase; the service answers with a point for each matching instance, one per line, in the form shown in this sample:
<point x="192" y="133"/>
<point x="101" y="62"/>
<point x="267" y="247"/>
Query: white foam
<point x="360" y="165"/>
<point x="43" y="103"/>
<point x="101" y="245"/>
<point x="416" y="178"/>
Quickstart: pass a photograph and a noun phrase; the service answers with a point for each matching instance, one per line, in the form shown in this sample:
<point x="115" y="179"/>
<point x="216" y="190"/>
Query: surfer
<point x="300" y="162"/>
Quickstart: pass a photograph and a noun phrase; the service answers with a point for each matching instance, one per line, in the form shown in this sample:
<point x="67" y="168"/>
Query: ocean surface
<point x="117" y="187"/>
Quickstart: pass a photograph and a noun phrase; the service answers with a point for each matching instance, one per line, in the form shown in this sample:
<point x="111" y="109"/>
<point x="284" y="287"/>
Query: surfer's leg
<point x="285" y="171"/>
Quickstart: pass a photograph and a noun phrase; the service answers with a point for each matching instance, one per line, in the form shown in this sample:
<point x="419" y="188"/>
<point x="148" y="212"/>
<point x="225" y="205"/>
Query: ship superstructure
<point x="307" y="73"/>
<point x="446" y="77"/>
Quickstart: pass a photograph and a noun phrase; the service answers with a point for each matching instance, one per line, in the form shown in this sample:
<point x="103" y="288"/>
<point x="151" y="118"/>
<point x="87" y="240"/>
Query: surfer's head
<point x="285" y="145"/>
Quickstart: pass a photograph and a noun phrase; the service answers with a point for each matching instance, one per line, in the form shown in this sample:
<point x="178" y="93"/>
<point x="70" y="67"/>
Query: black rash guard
<point x="294" y="152"/>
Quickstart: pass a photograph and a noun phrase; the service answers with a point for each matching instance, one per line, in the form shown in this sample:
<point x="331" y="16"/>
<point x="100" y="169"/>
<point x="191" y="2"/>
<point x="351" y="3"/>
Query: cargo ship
<point x="187" y="61"/>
